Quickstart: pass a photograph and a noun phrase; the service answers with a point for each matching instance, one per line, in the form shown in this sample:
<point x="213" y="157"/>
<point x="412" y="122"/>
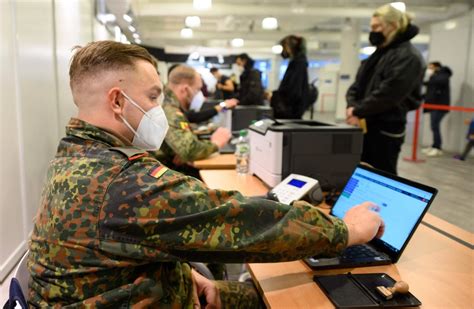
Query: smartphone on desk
<point x="295" y="187"/>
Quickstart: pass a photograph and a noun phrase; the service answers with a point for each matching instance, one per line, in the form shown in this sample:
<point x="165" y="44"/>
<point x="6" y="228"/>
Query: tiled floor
<point x="454" y="180"/>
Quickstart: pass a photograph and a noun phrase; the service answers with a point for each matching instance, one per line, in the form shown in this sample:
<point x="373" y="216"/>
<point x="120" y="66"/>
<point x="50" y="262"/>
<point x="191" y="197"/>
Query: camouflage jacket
<point x="180" y="139"/>
<point x="115" y="228"/>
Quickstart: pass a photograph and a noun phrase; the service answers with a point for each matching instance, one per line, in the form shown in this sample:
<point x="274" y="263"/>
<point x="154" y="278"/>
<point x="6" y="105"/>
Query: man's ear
<point x="183" y="89"/>
<point x="115" y="99"/>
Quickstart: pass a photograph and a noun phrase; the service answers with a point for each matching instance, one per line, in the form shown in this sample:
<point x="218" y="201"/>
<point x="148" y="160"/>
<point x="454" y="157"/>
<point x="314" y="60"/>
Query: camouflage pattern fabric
<point x="115" y="228"/>
<point x="180" y="140"/>
<point x="236" y="295"/>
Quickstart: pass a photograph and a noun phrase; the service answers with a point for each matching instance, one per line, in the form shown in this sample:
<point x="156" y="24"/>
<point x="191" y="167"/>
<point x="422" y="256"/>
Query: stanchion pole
<point x="321" y="110"/>
<point x="415" y="139"/>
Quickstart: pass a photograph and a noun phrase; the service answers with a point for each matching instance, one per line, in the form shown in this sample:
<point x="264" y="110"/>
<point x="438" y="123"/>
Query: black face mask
<point x="285" y="54"/>
<point x="376" y="38"/>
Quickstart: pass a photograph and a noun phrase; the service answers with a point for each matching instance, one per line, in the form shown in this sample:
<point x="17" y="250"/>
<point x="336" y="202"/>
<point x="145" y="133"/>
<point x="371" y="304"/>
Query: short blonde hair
<point x="100" y="56"/>
<point x="390" y="15"/>
<point x="183" y="74"/>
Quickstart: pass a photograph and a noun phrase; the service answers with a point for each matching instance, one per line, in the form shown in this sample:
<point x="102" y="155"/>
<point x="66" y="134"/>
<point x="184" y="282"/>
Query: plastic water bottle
<point x="242" y="153"/>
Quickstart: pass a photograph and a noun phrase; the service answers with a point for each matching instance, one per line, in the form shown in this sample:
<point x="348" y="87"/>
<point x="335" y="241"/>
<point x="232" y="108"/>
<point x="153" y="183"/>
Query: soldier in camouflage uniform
<point x="181" y="145"/>
<point x="115" y="228"/>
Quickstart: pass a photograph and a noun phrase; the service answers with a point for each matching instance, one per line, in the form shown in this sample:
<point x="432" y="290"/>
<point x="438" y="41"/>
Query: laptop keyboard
<point x="354" y="256"/>
<point x="359" y="251"/>
<point x="228" y="148"/>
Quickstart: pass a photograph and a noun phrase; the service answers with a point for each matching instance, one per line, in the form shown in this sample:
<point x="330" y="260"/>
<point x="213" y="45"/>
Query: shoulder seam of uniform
<point x="131" y="153"/>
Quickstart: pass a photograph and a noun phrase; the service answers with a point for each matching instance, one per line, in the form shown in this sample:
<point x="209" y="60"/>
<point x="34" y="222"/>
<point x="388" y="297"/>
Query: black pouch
<point x="359" y="291"/>
<point x="281" y="109"/>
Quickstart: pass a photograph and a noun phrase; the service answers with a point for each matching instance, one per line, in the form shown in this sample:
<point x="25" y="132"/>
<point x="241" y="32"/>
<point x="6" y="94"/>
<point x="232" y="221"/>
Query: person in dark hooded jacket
<point x="437" y="92"/>
<point x="251" y="89"/>
<point x="387" y="85"/>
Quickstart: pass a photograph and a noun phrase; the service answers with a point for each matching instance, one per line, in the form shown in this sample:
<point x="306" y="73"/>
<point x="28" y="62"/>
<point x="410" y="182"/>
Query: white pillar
<point x="273" y="74"/>
<point x="349" y="54"/>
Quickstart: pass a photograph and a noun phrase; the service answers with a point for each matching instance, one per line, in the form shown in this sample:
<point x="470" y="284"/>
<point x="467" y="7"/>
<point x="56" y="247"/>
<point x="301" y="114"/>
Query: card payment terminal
<point x="295" y="187"/>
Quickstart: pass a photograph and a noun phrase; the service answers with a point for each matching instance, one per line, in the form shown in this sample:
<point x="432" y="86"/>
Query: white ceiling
<point x="159" y="22"/>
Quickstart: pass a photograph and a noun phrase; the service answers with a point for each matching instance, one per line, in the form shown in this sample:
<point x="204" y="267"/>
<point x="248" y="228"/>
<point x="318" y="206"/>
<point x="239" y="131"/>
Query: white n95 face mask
<point x="152" y="129"/>
<point x="197" y="102"/>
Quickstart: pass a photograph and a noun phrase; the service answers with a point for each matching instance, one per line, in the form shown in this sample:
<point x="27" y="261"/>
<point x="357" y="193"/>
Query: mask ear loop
<point x="133" y="102"/>
<point x="127" y="124"/>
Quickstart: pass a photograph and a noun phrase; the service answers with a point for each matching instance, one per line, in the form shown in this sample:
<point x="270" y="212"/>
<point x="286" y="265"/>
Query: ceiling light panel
<point x="192" y="21"/>
<point x="202" y="4"/>
<point x="270" y="23"/>
<point x="237" y="42"/>
<point x="187" y="33"/>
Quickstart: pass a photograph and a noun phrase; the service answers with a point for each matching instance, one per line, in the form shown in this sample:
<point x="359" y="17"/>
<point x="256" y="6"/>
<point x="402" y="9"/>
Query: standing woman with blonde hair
<point x="388" y="85"/>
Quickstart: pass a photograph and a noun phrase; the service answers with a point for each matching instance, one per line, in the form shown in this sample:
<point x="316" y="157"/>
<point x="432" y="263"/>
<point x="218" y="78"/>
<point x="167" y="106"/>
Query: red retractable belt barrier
<point x="413" y="157"/>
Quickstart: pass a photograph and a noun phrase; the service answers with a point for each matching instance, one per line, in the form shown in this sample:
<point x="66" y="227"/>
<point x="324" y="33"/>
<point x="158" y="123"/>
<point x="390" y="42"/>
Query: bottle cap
<point x="243" y="133"/>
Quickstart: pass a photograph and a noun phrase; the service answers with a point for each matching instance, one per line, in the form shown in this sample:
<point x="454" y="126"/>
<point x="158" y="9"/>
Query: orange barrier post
<point x="415" y="139"/>
<point x="413" y="157"/>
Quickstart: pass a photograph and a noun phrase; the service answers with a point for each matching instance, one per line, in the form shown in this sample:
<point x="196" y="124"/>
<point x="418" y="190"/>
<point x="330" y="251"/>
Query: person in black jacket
<point x="251" y="89"/>
<point x="437" y="92"/>
<point x="290" y="100"/>
<point x="388" y="85"/>
<point x="224" y="86"/>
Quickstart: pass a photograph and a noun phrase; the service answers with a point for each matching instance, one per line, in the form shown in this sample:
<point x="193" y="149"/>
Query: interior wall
<point x="75" y="26"/>
<point x="36" y="37"/>
<point x="11" y="199"/>
<point x="30" y="119"/>
<point x="459" y="57"/>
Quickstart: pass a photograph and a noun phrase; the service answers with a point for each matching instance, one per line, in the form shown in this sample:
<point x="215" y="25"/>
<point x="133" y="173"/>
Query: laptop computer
<point x="403" y="203"/>
<point x="228" y="148"/>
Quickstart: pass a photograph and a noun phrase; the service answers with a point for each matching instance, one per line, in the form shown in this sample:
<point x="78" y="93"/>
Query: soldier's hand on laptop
<point x="220" y="137"/>
<point x="363" y="223"/>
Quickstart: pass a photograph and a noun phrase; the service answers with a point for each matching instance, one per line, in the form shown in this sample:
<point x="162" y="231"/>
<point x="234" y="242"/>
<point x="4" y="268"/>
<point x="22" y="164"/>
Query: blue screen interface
<point x="297" y="183"/>
<point x="401" y="205"/>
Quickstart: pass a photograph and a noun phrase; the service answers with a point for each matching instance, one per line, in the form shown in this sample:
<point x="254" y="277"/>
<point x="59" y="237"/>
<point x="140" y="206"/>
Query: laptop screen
<point x="402" y="203"/>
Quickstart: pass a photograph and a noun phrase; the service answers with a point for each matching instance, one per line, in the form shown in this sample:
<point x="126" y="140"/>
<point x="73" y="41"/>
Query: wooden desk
<point x="438" y="264"/>
<point x="229" y="180"/>
<point x="438" y="269"/>
<point x="216" y="161"/>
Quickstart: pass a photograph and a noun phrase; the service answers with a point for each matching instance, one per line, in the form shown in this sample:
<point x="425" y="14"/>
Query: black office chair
<point x="19" y="286"/>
